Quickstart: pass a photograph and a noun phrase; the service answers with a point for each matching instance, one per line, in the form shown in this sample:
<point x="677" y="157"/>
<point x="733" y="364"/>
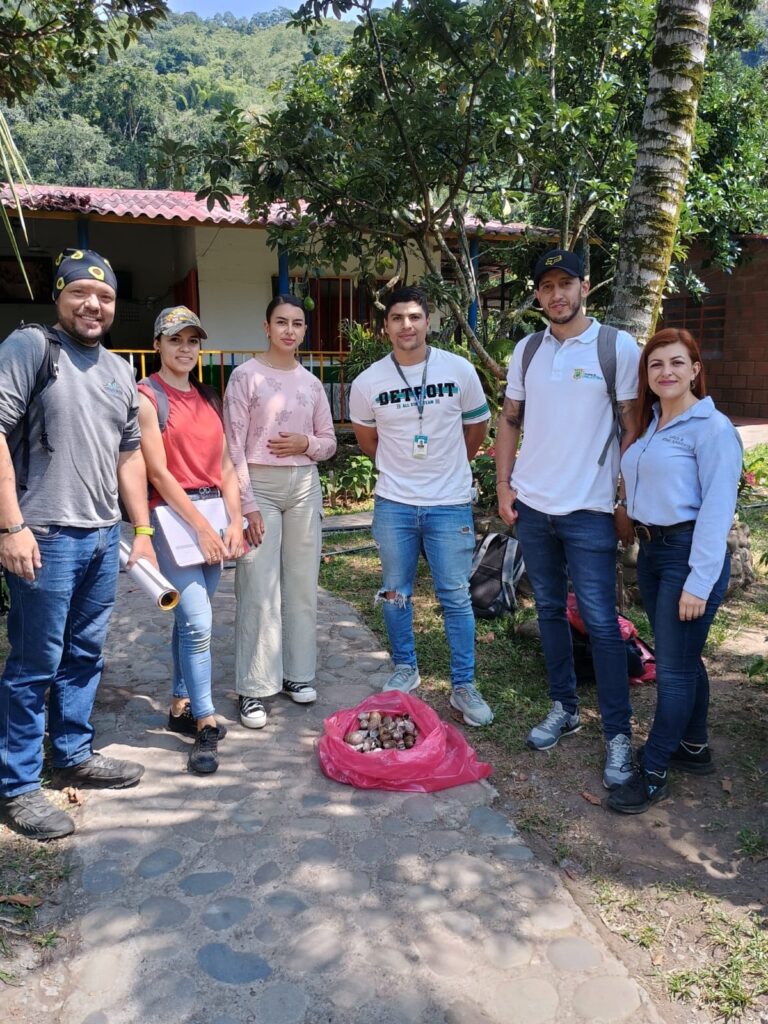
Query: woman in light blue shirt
<point x="681" y="476"/>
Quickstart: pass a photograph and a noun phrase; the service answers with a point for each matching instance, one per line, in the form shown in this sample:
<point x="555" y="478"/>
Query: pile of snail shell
<point x="380" y="731"/>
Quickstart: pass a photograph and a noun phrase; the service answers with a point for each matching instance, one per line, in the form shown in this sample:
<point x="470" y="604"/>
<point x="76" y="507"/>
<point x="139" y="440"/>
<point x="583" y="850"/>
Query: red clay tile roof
<point x="164" y="205"/>
<point x="127" y="202"/>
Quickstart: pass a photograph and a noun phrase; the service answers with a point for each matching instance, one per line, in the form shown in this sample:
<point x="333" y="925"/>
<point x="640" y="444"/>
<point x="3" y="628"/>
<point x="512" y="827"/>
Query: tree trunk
<point x="661" y="171"/>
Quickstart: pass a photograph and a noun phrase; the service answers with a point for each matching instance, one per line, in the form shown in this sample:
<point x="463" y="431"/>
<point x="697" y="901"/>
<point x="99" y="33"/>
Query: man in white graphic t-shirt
<point x="422" y="415"/>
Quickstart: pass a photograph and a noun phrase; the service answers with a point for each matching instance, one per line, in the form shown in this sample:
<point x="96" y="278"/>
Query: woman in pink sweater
<point x="278" y="426"/>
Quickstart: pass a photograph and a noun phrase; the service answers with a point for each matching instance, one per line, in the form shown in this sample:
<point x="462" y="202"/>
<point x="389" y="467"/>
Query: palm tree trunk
<point x="661" y="170"/>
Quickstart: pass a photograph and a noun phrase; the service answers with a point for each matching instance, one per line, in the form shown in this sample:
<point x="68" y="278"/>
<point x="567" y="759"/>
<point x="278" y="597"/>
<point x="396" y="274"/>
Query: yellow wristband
<point x="143" y="531"/>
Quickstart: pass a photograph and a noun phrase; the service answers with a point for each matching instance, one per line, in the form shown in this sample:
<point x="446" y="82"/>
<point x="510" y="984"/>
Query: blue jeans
<point x="583" y="545"/>
<point x="56" y="631"/>
<point x="447" y="535"/>
<point x="193" y="622"/>
<point x="682" y="684"/>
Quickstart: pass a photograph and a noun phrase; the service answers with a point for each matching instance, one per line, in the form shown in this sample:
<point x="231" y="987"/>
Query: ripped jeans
<point x="446" y="535"/>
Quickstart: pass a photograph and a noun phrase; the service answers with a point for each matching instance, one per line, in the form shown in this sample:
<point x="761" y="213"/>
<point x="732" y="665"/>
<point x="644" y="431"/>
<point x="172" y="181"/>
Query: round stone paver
<point x="505" y="951"/>
<point x="223" y="963"/>
<point x="609" y="999"/>
<point x="203" y="883"/>
<point x="225" y="912"/>
<point x="572" y="953"/>
<point x="158" y="863"/>
<point x="529" y="1000"/>
<point x="163" y="912"/>
<point x="281" y="1002"/>
<point x="102" y="877"/>
<point x="316" y="950"/>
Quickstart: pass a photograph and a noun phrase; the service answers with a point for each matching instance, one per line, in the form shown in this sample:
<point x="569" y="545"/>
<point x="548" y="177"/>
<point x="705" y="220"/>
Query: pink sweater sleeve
<point x="322" y="440"/>
<point x="236" y="420"/>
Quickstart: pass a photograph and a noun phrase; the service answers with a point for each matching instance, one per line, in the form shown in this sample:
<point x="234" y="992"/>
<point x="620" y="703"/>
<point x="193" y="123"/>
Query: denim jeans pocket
<point x="46" y="532"/>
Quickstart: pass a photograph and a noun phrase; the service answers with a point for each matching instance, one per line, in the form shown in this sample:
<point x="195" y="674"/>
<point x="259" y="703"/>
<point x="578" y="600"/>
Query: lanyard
<point x="419" y="398"/>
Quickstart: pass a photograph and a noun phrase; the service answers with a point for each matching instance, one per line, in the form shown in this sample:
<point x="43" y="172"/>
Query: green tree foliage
<point x="154" y="105"/>
<point x="529" y="111"/>
<point x="44" y="41"/>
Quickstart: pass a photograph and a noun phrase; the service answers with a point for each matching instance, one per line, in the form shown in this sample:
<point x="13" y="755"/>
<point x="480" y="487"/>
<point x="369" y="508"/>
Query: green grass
<point x="738" y="973"/>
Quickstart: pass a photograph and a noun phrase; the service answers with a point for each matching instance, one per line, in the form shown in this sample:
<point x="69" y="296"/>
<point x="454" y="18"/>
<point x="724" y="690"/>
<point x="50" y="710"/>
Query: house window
<point x="705" y="320"/>
<point x="335" y="299"/>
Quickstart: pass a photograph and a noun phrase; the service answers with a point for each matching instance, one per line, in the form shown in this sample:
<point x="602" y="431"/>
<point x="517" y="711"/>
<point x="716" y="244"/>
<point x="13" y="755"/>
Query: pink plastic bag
<point x="440" y="758"/>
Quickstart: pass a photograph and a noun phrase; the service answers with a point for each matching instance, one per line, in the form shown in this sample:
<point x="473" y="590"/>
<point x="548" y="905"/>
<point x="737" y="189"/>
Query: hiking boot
<point x="204" y="755"/>
<point x="300" y="693"/>
<point x="252" y="712"/>
<point x="469" y="702"/>
<point x="618" y="761"/>
<point x="558" y="722"/>
<point x="640" y="792"/>
<point x="99" y="772"/>
<point x="186" y="723"/>
<point x="34" y="816"/>
<point x="404" y="679"/>
<point x="692" y="758"/>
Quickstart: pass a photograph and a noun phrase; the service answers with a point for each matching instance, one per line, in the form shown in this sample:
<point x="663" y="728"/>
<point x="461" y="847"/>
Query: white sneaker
<point x="300" y="693"/>
<point x="252" y="712"/>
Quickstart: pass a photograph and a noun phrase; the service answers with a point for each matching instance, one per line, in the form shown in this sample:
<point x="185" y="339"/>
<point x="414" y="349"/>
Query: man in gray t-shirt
<point x="66" y="449"/>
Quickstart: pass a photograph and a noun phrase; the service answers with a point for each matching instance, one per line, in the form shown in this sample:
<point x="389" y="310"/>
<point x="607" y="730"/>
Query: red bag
<point x="628" y="631"/>
<point x="440" y="757"/>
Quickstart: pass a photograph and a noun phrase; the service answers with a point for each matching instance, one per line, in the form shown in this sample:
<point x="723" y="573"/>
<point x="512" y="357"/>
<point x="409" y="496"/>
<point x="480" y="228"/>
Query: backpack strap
<point x="480" y="550"/>
<point x="512" y="569"/>
<point x="606" y="355"/>
<point x="161" y="401"/>
<point x="531" y="348"/>
<point x="47" y="372"/>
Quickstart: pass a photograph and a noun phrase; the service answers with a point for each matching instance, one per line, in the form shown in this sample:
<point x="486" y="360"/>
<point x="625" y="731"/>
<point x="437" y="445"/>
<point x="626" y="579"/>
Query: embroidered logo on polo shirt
<point x="579" y="374"/>
<point x="678" y="441"/>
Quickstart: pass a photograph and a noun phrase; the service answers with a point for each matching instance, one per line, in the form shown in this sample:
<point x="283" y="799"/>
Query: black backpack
<point x="497" y="565"/>
<point x="47" y="372"/>
<point x="606" y="355"/>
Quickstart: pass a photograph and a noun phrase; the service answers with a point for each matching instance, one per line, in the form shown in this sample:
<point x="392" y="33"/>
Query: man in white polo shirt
<point x="421" y="414"/>
<point x="560" y="491"/>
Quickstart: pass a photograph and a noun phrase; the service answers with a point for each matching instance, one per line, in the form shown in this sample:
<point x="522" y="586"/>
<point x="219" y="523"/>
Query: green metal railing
<point x="215" y="367"/>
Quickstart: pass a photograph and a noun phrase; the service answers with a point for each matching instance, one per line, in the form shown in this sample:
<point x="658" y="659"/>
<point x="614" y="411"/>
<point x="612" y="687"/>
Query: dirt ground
<point x="682" y="890"/>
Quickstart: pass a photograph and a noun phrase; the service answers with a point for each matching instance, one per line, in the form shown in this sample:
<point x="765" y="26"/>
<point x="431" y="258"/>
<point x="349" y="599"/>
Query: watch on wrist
<point x="620" y="503"/>
<point x="13" y="529"/>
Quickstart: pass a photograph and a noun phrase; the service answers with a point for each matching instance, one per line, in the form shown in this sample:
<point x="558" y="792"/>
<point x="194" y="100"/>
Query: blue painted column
<point x="83" y="234"/>
<point x="283" y="281"/>
<point x="474" y="255"/>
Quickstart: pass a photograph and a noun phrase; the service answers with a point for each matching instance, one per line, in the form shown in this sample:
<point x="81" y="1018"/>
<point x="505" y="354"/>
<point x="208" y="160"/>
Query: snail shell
<point x="355" y="737"/>
<point x="389" y="744"/>
<point x="387" y="721"/>
<point x="374" y="720"/>
<point x="409" y="727"/>
<point x="408" y="741"/>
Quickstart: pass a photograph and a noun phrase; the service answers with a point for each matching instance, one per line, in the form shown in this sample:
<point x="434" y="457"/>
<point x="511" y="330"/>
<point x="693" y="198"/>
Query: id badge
<point x="420" y="444"/>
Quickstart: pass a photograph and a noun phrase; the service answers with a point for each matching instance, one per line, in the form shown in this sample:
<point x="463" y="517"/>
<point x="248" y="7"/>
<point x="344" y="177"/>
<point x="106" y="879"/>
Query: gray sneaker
<point x="404" y="679"/>
<point x="618" y="762"/>
<point x="558" y="722"/>
<point x="469" y="702"/>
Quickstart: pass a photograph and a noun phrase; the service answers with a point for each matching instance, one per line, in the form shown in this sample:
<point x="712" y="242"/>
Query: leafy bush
<point x="365" y="348"/>
<point x="349" y="477"/>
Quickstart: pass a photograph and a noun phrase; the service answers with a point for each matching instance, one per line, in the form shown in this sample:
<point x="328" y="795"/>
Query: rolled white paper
<point x="146" y="575"/>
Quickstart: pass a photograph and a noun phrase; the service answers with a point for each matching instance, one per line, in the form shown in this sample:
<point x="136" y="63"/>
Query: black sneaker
<point x="640" y="792"/>
<point x="692" y="758"/>
<point x="99" y="772"/>
<point x="253" y="714"/>
<point x="204" y="755"/>
<point x="34" y="816"/>
<point x="300" y="693"/>
<point x="186" y="723"/>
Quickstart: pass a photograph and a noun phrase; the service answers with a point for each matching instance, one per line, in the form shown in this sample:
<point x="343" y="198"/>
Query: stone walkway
<point x="267" y="894"/>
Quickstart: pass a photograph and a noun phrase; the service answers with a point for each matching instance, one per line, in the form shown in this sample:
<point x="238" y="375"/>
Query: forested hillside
<point x="139" y="121"/>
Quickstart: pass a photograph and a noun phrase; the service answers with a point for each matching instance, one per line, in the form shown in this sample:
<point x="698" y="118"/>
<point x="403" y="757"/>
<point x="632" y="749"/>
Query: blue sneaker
<point x="404" y="679"/>
<point x="619" y="761"/>
<point x="558" y="722"/>
<point x="469" y="702"/>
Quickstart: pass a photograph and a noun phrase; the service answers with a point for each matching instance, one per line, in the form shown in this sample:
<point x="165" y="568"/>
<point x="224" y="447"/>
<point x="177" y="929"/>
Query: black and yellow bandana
<point x="78" y="265"/>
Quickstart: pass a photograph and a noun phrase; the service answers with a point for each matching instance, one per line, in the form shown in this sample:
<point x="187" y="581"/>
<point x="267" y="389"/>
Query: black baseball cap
<point x="558" y="259"/>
